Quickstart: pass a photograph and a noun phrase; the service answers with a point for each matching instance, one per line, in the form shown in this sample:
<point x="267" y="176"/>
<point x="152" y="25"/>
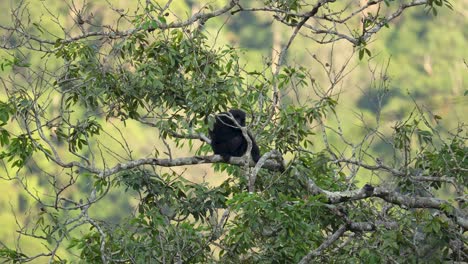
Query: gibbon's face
<point x="239" y="115"/>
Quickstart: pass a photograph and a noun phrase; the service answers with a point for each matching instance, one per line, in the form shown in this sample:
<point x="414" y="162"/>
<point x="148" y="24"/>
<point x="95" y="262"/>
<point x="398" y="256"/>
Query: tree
<point x="83" y="87"/>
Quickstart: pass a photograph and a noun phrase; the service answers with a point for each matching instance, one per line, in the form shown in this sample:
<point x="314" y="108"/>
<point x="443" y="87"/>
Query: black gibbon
<point x="227" y="139"/>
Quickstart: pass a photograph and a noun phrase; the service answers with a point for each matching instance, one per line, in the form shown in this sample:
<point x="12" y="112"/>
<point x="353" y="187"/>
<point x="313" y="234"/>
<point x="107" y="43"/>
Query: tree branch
<point x="307" y="258"/>
<point x="115" y="34"/>
<point x="239" y="161"/>
<point x="394" y="198"/>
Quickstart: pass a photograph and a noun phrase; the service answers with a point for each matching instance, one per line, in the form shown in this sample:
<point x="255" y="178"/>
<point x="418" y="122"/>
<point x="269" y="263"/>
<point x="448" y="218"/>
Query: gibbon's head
<point x="225" y="119"/>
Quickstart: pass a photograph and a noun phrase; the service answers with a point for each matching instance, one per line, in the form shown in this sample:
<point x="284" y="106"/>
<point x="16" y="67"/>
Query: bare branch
<point x="389" y="18"/>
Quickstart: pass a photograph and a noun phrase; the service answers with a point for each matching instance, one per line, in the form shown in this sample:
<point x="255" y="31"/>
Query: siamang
<point x="227" y="139"/>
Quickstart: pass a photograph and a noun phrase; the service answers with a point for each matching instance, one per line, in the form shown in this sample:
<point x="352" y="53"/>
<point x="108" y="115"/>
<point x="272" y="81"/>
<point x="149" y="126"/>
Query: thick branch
<point x="239" y="161"/>
<point x="379" y="166"/>
<point x="260" y="164"/>
<point x="370" y="226"/>
<point x="394" y="198"/>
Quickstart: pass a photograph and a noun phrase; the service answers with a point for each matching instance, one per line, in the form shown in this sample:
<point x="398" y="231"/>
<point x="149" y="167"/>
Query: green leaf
<point x="368" y="52"/>
<point x="361" y="54"/>
<point x="162" y="19"/>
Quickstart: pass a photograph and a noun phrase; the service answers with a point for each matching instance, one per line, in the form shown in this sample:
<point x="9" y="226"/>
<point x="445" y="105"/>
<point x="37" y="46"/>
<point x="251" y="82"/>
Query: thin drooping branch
<point x="175" y="134"/>
<point x="297" y="28"/>
<point x="331" y="239"/>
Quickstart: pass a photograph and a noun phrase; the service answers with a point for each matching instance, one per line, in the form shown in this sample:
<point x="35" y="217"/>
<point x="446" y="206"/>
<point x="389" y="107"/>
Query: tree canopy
<point x="106" y="108"/>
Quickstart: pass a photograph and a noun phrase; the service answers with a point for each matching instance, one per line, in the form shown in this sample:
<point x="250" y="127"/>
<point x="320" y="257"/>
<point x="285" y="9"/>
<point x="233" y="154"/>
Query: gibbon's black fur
<point x="227" y="139"/>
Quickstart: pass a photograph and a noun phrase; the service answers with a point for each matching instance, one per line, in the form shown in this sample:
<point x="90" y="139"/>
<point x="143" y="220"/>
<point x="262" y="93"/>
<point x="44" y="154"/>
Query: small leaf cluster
<point x="433" y="5"/>
<point x="448" y="161"/>
<point x="294" y="128"/>
<point x="78" y="135"/>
